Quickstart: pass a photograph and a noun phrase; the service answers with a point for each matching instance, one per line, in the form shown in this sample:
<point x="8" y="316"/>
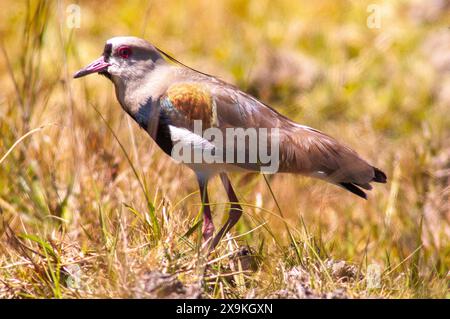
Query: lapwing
<point x="176" y="105"/>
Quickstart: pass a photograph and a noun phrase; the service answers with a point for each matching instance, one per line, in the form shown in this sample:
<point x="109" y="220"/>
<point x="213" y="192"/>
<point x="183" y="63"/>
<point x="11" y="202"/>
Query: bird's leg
<point x="208" y="226"/>
<point x="234" y="214"/>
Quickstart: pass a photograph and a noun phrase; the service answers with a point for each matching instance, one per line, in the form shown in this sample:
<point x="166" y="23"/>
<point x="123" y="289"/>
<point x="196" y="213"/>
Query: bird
<point x="171" y="100"/>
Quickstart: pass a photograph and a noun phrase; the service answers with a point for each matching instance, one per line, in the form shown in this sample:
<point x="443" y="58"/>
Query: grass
<point x="90" y="207"/>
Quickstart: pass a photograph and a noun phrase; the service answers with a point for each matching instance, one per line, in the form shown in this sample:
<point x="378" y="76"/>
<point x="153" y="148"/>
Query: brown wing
<point x="185" y="102"/>
<point x="302" y="149"/>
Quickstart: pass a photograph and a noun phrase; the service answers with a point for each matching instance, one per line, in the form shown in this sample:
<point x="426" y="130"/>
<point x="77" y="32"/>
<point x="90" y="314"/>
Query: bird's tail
<point x="310" y="152"/>
<point x="355" y="188"/>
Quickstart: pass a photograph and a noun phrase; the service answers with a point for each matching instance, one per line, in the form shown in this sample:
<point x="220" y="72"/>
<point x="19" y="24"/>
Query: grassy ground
<point x="90" y="207"/>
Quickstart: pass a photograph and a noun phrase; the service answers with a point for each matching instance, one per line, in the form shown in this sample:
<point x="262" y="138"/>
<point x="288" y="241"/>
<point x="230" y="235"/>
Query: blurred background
<point x="82" y="186"/>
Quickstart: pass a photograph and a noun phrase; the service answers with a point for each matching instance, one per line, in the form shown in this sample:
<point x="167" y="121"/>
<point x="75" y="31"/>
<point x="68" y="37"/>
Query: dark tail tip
<point x="380" y="177"/>
<point x="354" y="189"/>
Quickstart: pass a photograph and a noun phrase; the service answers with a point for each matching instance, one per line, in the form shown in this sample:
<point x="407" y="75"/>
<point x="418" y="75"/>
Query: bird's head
<point x="124" y="59"/>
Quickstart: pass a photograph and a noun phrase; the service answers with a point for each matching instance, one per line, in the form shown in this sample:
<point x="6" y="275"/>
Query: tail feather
<point x="366" y="186"/>
<point x="354" y="189"/>
<point x="380" y="177"/>
<point x="311" y="152"/>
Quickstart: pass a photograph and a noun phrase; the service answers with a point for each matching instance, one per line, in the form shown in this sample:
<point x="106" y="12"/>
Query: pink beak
<point x="98" y="65"/>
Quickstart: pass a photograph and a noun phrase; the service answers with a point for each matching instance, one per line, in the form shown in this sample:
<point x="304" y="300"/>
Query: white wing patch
<point x="188" y="138"/>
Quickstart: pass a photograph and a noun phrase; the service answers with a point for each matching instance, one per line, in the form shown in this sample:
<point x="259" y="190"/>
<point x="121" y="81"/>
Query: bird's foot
<point x="207" y="234"/>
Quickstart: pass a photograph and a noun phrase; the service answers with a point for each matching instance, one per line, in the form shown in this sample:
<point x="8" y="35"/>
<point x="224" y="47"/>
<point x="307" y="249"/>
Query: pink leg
<point x="234" y="214"/>
<point x="208" y="226"/>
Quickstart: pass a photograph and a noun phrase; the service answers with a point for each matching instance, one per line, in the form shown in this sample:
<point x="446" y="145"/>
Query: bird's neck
<point x="135" y="95"/>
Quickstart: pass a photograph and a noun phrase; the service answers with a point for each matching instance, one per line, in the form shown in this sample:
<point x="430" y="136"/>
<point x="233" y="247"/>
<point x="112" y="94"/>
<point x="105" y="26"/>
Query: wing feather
<point x="302" y="149"/>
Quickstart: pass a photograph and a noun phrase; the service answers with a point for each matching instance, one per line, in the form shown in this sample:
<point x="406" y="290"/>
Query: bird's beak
<point x="96" y="66"/>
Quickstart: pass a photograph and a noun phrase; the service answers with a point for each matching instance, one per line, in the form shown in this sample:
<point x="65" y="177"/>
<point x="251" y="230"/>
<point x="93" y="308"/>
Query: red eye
<point x="124" y="52"/>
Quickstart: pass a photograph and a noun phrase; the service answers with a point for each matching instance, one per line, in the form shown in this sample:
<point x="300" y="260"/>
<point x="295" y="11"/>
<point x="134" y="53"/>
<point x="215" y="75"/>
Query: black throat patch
<point x="107" y="51"/>
<point x="145" y="114"/>
<point x="163" y="138"/>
